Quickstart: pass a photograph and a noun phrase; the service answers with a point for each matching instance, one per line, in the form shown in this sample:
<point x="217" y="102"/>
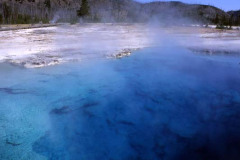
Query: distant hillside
<point x="34" y="11"/>
<point x="189" y="12"/>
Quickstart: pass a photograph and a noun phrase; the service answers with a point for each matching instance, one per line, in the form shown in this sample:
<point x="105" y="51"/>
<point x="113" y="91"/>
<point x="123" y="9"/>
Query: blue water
<point x="158" y="104"/>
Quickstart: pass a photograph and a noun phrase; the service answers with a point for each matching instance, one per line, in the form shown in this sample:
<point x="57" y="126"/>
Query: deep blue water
<point x="158" y="104"/>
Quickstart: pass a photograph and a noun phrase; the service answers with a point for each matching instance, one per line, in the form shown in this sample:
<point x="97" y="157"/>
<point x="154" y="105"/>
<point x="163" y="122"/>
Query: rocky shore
<point x="39" y="61"/>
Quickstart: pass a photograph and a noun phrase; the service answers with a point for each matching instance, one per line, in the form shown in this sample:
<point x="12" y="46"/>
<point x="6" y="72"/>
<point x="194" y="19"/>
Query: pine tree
<point x="6" y="12"/>
<point x="216" y="21"/>
<point x="47" y="3"/>
<point x="84" y="9"/>
<point x="238" y="21"/>
<point x="224" y="21"/>
<point x="231" y="22"/>
<point x="1" y="19"/>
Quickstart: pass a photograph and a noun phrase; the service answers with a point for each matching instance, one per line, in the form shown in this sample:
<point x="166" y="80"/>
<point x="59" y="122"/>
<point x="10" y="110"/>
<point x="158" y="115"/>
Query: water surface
<point x="158" y="104"/>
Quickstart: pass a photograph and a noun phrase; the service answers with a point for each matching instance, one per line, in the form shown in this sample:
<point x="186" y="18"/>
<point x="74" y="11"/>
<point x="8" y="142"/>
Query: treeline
<point x="226" y="22"/>
<point x="235" y="17"/>
<point x="45" y="11"/>
<point x="24" y="11"/>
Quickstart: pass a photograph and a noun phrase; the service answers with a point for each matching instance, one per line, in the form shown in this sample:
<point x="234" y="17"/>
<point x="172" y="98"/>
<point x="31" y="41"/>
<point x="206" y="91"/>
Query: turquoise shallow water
<point x="159" y="103"/>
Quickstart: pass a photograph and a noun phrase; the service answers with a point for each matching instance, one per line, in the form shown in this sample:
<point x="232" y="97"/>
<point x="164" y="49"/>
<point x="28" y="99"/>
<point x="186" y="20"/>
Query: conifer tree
<point x="216" y="21"/>
<point x="6" y="12"/>
<point x="84" y="9"/>
<point x="231" y="22"/>
<point x="47" y="3"/>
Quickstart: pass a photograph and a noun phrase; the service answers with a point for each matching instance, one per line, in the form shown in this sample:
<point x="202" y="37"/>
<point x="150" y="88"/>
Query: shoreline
<point x="38" y="48"/>
<point x="211" y="28"/>
<point x="12" y="27"/>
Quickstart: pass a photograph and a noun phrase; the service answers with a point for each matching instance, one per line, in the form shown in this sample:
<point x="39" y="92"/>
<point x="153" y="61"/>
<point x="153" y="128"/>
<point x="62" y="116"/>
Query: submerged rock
<point x="211" y="51"/>
<point x="13" y="91"/>
<point x="125" y="122"/>
<point x="12" y="143"/>
<point x="37" y="62"/>
<point x="91" y="104"/>
<point x="14" y="140"/>
<point x="62" y="110"/>
<point x="124" y="53"/>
